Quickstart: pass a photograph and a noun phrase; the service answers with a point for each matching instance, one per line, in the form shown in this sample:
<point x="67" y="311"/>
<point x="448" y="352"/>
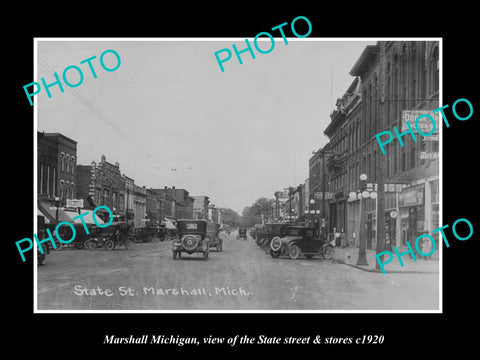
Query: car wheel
<point x="275" y="254"/>
<point x="276" y="243"/>
<point x="58" y="245"/>
<point x="309" y="256"/>
<point x="293" y="251"/>
<point x="42" y="259"/>
<point x="90" y="244"/>
<point x="190" y="242"/>
<point x="109" y="245"/>
<point x="128" y="244"/>
<point x="328" y="252"/>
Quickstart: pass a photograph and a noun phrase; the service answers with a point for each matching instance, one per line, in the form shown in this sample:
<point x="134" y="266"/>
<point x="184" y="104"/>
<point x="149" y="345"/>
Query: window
<point x="434" y="70"/>
<point x="413" y="72"/>
<point x="388" y="101"/>
<point x="423" y="72"/>
<point x="62" y="162"/>
<point x="62" y="184"/>
<point x="72" y="165"/>
<point x="394" y="167"/>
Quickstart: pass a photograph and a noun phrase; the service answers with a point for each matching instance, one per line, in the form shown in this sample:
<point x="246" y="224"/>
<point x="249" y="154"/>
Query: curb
<point x="386" y="272"/>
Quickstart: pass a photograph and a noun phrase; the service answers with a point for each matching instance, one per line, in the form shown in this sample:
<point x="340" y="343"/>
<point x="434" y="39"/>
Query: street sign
<point x="75" y="203"/>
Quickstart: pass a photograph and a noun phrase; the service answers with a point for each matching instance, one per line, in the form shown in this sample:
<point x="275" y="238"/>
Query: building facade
<point x="56" y="167"/>
<point x="393" y="80"/>
<point x="102" y="184"/>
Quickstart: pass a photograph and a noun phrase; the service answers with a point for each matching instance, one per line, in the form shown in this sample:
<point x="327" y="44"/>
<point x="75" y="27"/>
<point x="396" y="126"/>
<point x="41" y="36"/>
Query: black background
<point x="61" y="335"/>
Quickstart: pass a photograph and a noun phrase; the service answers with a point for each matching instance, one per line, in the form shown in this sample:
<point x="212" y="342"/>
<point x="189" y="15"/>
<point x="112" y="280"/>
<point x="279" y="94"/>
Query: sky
<point x="234" y="136"/>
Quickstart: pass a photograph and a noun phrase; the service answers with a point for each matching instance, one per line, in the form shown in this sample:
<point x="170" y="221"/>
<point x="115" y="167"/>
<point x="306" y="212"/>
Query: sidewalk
<point x="349" y="256"/>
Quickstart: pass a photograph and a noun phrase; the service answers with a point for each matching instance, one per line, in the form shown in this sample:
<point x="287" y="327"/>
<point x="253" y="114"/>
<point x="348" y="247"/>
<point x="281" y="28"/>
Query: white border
<point x="35" y="109"/>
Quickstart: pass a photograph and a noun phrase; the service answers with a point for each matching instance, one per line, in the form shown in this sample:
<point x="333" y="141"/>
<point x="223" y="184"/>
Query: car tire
<point x="128" y="244"/>
<point x="189" y="242"/>
<point x="109" y="245"/>
<point x="42" y="259"/>
<point x="58" y="245"/>
<point x="328" y="252"/>
<point x="293" y="251"/>
<point x="90" y="244"/>
<point x="276" y="244"/>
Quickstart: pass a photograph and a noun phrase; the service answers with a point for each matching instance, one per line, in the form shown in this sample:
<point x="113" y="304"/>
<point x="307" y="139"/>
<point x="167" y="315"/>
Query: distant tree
<point x="230" y="217"/>
<point x="253" y="214"/>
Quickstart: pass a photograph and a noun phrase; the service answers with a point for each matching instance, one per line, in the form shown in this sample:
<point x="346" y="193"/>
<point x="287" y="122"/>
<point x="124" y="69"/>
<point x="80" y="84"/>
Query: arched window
<point x="413" y="71"/>
<point x="404" y="82"/>
<point x="62" y="162"/>
<point x="62" y="185"/>
<point x="388" y="94"/>
<point x="67" y="163"/>
<point x="395" y="87"/>
<point x="67" y="190"/>
<point x="72" y="165"/>
<point x="434" y="73"/>
<point x="423" y="71"/>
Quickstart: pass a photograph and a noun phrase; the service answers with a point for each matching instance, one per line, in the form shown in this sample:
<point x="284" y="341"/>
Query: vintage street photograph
<point x="212" y="175"/>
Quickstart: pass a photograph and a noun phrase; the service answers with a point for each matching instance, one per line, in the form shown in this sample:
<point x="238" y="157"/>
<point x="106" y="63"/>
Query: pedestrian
<point x="343" y="239"/>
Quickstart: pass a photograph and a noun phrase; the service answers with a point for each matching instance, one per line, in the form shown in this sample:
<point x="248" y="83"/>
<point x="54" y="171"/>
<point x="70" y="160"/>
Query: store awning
<point x="88" y="218"/>
<point x="50" y="212"/>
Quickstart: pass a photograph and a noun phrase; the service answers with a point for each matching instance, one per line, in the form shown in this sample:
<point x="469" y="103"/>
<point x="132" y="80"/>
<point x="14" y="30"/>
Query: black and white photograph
<point x="218" y="179"/>
<point x="188" y="182"/>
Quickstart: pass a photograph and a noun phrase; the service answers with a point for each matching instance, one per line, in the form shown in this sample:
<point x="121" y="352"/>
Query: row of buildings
<point x="63" y="184"/>
<point x="392" y="81"/>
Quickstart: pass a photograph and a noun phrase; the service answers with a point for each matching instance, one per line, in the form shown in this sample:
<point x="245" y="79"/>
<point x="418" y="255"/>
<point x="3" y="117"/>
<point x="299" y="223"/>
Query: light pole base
<point x="362" y="260"/>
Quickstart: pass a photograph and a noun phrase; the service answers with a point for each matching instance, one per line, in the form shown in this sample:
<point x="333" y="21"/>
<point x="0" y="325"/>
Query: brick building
<point x="56" y="162"/>
<point x="392" y="80"/>
<point x="56" y="174"/>
<point x="102" y="184"/>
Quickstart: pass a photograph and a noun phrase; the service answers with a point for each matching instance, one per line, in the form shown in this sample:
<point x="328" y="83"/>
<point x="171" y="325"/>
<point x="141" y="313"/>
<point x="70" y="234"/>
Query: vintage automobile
<point x="41" y="234"/>
<point x="260" y="232"/>
<point x="149" y="234"/>
<point x="192" y="238"/>
<point x="116" y="234"/>
<point x="242" y="234"/>
<point x="298" y="240"/>
<point x="213" y="235"/>
<point x="271" y="230"/>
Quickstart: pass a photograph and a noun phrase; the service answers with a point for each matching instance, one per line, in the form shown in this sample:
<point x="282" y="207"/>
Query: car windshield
<point x="191" y="226"/>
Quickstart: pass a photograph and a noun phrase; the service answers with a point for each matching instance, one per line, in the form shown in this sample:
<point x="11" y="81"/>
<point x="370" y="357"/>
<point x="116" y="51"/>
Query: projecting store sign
<point x="425" y="124"/>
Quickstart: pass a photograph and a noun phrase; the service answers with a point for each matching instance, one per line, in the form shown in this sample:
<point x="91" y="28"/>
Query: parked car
<point x="213" y="232"/>
<point x="299" y="240"/>
<point x="116" y="234"/>
<point x="41" y="234"/>
<point x="271" y="230"/>
<point x="149" y="234"/>
<point x="242" y="234"/>
<point x="192" y="238"/>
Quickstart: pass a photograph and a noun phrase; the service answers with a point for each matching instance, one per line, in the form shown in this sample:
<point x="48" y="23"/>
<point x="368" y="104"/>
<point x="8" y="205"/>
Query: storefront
<point x="411" y="203"/>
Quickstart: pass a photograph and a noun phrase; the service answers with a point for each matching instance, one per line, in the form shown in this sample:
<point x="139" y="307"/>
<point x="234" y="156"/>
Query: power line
<point x="97" y="112"/>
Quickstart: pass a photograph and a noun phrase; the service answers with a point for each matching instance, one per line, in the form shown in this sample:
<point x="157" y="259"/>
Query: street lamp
<point x="362" y="252"/>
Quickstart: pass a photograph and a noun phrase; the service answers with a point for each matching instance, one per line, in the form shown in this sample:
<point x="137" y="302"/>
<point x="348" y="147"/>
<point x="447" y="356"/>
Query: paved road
<point x="241" y="277"/>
